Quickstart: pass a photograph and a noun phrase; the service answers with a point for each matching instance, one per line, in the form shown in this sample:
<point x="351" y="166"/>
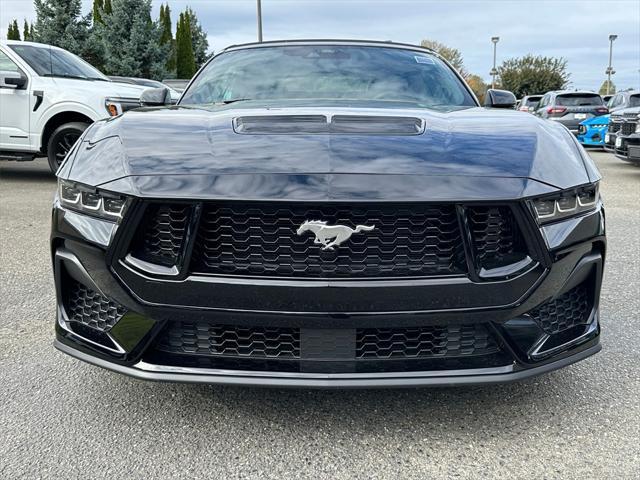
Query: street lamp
<point x="610" y="71"/>
<point x="494" y="72"/>
<point x="259" y="21"/>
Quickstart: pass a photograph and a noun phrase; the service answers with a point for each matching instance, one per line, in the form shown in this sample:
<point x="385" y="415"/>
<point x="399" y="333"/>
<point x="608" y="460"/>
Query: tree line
<point x="119" y="37"/>
<point x="527" y="75"/>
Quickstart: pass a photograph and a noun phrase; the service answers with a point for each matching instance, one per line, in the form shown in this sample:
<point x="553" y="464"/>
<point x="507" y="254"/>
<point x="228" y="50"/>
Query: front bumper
<point x="592" y="137"/>
<point x="328" y="313"/>
<point x="630" y="148"/>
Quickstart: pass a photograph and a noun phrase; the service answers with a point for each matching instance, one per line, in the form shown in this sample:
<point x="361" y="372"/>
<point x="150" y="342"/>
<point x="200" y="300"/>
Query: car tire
<point x="61" y="141"/>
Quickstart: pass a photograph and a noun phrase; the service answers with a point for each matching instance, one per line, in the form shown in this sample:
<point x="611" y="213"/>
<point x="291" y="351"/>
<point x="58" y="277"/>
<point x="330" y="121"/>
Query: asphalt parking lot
<point x="60" y="418"/>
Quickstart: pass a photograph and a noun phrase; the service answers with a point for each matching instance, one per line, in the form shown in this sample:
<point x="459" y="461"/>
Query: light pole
<point x="494" y="72"/>
<point x="259" y="21"/>
<point x="610" y="71"/>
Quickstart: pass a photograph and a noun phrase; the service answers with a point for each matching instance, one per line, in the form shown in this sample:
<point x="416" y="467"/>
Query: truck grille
<point x="628" y="128"/>
<point x="614" y="126"/>
<point x="260" y="239"/>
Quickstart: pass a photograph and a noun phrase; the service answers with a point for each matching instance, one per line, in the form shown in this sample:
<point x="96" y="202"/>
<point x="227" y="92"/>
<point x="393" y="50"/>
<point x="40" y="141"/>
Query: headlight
<point x="113" y="107"/>
<point x="116" y="106"/>
<point x="84" y="199"/>
<point x="566" y="204"/>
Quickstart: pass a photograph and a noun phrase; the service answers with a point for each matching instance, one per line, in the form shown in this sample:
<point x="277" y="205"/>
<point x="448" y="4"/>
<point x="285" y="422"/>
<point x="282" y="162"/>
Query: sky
<point x="575" y="30"/>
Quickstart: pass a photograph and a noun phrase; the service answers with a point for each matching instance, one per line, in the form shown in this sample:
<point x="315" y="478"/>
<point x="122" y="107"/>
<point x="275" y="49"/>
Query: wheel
<point x="61" y="141"/>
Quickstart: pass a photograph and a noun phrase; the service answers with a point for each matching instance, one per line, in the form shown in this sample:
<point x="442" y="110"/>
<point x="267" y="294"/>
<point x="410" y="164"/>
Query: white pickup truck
<point x="48" y="96"/>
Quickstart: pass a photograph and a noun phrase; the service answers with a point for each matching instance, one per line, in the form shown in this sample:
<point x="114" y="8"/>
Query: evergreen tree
<point x="166" y="38"/>
<point x="131" y="41"/>
<point x="26" y="35"/>
<point x="60" y="23"/>
<point x="108" y="8"/>
<point x="13" y="32"/>
<point x="199" y="41"/>
<point x="98" y="8"/>
<point x="185" y="61"/>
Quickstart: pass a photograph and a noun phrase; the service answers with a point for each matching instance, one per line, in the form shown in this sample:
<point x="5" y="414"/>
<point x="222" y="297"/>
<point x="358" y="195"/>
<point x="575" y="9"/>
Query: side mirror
<point x="12" y="80"/>
<point x="155" y="97"/>
<point x="499" y="99"/>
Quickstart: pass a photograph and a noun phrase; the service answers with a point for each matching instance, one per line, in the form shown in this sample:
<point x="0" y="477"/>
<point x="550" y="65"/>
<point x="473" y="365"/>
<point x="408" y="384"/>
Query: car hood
<point x="627" y="112"/>
<point x="106" y="89"/>
<point x="476" y="144"/>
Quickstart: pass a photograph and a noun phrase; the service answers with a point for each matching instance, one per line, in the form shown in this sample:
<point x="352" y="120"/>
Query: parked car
<point x="49" y="96"/>
<point x="623" y="127"/>
<point x="569" y="108"/>
<point x="333" y="214"/>
<point x="529" y="103"/>
<point x="632" y="140"/>
<point x="146" y="82"/>
<point x="625" y="99"/>
<point x="606" y="98"/>
<point x="591" y="132"/>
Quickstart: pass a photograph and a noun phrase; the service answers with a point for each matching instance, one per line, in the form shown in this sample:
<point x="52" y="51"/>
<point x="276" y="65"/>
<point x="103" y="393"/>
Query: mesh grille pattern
<point x="420" y="342"/>
<point x="163" y="233"/>
<point x="201" y="338"/>
<point x="628" y="128"/>
<point x="496" y="236"/>
<point x="261" y="239"/>
<point x="614" y="126"/>
<point x="92" y="309"/>
<point x="568" y="310"/>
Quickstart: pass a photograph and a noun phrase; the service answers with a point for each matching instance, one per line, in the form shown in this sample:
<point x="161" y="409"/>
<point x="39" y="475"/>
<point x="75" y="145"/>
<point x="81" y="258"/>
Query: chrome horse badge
<point x="330" y="235"/>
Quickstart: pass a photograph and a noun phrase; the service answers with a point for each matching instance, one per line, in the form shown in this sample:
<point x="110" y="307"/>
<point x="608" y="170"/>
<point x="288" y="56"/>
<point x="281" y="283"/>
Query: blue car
<point x="591" y="132"/>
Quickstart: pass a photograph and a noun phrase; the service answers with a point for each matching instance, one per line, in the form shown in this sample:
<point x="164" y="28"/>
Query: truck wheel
<point x="61" y="141"/>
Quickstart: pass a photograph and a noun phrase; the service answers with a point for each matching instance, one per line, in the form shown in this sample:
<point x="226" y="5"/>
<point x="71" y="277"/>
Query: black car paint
<point x="191" y="154"/>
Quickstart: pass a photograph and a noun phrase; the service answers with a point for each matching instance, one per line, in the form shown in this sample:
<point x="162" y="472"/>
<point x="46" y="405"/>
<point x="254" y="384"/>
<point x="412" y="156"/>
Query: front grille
<point x="200" y="338"/>
<point x="568" y="310"/>
<point x="387" y="240"/>
<point x="161" y="238"/>
<point x="91" y="309"/>
<point x="422" y="342"/>
<point x="628" y="128"/>
<point x="614" y="126"/>
<point x="205" y="345"/>
<point x="261" y="240"/>
<point x="496" y="236"/>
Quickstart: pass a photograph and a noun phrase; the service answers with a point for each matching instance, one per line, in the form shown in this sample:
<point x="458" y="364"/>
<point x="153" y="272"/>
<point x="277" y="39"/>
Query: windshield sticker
<point x="426" y="60"/>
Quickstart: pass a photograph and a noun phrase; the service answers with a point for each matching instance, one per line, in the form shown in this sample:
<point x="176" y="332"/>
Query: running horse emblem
<point x="330" y="236"/>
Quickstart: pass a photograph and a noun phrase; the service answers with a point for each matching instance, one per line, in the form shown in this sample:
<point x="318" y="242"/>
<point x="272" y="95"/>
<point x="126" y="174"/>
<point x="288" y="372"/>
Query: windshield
<point x="578" y="100"/>
<point x="532" y="101"/>
<point x="50" y="62"/>
<point x="329" y="72"/>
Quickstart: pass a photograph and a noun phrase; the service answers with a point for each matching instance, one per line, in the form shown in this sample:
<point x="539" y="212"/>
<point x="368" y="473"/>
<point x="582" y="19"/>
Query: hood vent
<point x="273" y="124"/>
<point x="376" y="125"/>
<point x="319" y="124"/>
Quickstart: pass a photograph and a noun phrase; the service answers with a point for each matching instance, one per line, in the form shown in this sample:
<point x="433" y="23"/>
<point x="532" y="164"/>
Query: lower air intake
<point x="566" y="311"/>
<point x="434" y="341"/>
<point x="91" y="309"/>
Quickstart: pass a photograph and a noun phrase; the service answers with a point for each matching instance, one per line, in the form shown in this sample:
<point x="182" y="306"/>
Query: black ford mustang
<point x="328" y="213"/>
